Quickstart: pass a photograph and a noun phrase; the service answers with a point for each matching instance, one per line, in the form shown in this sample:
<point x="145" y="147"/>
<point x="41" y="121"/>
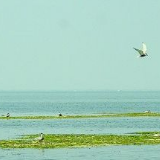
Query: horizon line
<point x="77" y="90"/>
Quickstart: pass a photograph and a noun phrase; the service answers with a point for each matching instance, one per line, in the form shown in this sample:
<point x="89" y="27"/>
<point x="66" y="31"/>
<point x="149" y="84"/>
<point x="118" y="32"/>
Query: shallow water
<point x="146" y="152"/>
<point x="15" y="128"/>
<point x="51" y="103"/>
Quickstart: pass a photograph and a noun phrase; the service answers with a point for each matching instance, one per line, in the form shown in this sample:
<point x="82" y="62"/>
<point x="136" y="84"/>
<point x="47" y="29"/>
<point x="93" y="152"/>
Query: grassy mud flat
<point x="81" y="140"/>
<point x="86" y="116"/>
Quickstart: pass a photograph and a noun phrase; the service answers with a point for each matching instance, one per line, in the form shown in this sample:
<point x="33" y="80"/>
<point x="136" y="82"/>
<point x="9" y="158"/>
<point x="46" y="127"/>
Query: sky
<point x="79" y="44"/>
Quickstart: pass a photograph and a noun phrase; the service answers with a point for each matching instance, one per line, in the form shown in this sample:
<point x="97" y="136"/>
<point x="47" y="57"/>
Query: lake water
<point x="51" y="103"/>
<point x="98" y="153"/>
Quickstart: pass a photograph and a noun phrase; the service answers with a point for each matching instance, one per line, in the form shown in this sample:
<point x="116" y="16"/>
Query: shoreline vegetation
<point x="106" y="115"/>
<point x="81" y="140"/>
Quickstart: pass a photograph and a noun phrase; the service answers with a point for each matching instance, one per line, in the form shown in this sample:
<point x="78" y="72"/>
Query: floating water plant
<point x="81" y="140"/>
<point x="86" y="116"/>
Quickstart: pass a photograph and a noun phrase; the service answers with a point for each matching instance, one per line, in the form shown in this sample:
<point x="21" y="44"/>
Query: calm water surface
<point x="147" y="152"/>
<point x="14" y="128"/>
<point x="51" y="103"/>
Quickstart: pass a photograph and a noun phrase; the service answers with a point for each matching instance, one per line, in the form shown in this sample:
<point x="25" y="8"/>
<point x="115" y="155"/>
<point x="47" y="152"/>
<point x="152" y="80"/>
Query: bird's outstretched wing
<point x="139" y="51"/>
<point x="144" y="48"/>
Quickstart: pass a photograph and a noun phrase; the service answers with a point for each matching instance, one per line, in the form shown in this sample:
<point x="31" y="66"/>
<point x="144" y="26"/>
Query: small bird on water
<point x="40" y="138"/>
<point x="148" y="111"/>
<point x="142" y="52"/>
<point x="157" y="135"/>
<point x="60" y="115"/>
<point x="8" y="115"/>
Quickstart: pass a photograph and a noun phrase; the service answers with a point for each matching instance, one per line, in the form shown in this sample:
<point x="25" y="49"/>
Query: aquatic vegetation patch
<point x="80" y="140"/>
<point x="107" y="115"/>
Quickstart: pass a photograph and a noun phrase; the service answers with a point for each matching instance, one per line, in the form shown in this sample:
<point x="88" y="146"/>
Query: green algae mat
<point x="86" y="116"/>
<point x="81" y="140"/>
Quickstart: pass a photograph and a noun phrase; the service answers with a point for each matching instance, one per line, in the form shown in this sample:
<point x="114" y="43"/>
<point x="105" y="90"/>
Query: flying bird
<point x="142" y="52"/>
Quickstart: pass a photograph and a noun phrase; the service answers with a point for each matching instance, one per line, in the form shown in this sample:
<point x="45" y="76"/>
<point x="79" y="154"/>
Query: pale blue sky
<point x="79" y="44"/>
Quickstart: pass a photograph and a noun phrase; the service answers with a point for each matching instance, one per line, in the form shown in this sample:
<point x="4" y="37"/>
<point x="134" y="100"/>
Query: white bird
<point x="40" y="138"/>
<point x="148" y="111"/>
<point x="157" y="135"/>
<point x="142" y="52"/>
